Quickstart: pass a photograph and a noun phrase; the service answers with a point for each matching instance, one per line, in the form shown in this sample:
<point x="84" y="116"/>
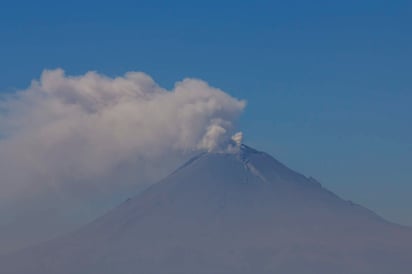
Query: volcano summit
<point x="237" y="212"/>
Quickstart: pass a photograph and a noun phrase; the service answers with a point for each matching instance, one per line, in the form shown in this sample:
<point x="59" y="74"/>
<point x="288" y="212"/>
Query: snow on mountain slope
<point x="238" y="212"/>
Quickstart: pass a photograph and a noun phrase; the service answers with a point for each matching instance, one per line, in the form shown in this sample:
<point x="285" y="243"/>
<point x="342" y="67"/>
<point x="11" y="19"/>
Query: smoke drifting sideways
<point x="72" y="145"/>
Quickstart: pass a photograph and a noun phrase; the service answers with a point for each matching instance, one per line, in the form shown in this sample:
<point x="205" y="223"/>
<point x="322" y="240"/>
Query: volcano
<point x="227" y="212"/>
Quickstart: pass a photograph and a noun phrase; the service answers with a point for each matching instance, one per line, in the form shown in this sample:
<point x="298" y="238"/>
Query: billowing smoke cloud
<point x="93" y="137"/>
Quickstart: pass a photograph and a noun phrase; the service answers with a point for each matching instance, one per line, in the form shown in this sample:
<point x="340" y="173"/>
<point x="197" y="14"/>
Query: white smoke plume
<point x="238" y="138"/>
<point x="68" y="138"/>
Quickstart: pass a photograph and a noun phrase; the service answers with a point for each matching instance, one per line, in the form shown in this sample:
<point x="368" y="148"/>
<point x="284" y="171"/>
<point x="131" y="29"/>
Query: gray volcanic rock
<point x="238" y="212"/>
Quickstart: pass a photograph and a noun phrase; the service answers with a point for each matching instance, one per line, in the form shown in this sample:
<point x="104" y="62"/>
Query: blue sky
<point x="328" y="83"/>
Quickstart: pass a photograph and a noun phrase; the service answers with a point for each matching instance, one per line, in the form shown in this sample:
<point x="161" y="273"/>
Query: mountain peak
<point x="245" y="151"/>
<point x="259" y="163"/>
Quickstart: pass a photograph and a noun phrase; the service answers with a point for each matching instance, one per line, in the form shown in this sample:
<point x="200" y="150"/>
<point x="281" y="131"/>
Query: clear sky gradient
<point x="328" y="83"/>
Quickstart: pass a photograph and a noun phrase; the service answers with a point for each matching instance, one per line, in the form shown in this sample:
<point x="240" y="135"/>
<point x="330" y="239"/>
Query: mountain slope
<point x="239" y="212"/>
